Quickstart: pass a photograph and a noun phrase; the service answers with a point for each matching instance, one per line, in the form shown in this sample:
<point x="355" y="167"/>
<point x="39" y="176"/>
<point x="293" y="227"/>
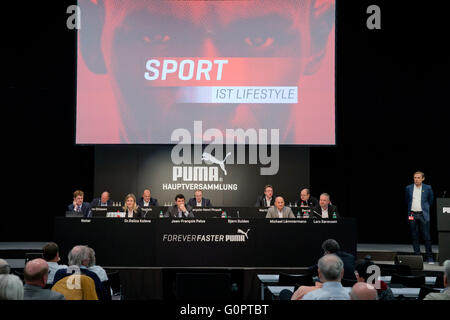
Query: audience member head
<point x="324" y="200"/>
<point x="330" y="246"/>
<point x="363" y="291"/>
<point x="91" y="257"/>
<point x="331" y="268"/>
<point x="36" y="272"/>
<point x="305" y="194"/>
<point x="50" y="252"/>
<point x="79" y="256"/>
<point x="268" y="191"/>
<point x="361" y="270"/>
<point x="279" y="203"/>
<point x="11" y="287"/>
<point x="4" y="267"/>
<point x="446" y="273"/>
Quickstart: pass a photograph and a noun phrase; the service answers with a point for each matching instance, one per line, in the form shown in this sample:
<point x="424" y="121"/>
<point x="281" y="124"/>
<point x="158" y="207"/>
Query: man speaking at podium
<point x="419" y="197"/>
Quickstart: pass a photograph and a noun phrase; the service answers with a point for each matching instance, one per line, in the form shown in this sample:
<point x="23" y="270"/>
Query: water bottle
<point x="161" y="215"/>
<point x="334" y="215"/>
<point x="306" y="215"/>
<point x="298" y="214"/>
<point x="224" y="214"/>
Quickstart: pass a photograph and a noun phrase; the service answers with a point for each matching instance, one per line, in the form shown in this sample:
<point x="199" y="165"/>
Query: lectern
<point x="443" y="226"/>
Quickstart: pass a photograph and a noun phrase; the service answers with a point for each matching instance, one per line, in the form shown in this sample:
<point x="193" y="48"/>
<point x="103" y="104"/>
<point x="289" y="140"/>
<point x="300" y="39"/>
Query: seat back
<point x="408" y="281"/>
<point x="413" y="261"/>
<point x="203" y="286"/>
<point x="114" y="283"/>
<point x="32" y="255"/>
<point x="296" y="280"/>
<point x="424" y="290"/>
<point x="439" y="281"/>
<point x="348" y="282"/>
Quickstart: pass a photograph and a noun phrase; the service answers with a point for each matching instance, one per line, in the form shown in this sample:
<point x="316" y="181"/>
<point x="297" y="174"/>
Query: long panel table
<point x="213" y="242"/>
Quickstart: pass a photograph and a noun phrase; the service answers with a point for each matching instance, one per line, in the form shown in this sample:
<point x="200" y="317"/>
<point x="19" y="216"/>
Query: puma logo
<point x="240" y="231"/>
<point x="210" y="159"/>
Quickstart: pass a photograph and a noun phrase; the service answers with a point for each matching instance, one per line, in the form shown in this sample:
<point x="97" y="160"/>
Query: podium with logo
<point x="443" y="226"/>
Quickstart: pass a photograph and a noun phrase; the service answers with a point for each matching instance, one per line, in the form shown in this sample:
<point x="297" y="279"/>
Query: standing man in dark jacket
<point x="419" y="198"/>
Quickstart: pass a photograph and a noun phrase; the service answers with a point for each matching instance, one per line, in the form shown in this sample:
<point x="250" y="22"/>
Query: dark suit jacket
<point x="349" y="265"/>
<point x="97" y="201"/>
<point x="153" y="202"/>
<point x="137" y="214"/>
<point x="31" y="292"/>
<point x="85" y="209"/>
<point x="426" y="199"/>
<point x="102" y="292"/>
<point x="205" y="202"/>
<point x="172" y="212"/>
<point x="261" y="201"/>
<point x="331" y="209"/>
<point x="312" y="202"/>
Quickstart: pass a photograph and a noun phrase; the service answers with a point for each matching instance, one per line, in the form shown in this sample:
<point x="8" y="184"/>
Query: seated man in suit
<point x="35" y="276"/>
<point x="79" y="258"/>
<point x="266" y="200"/>
<point x="331" y="246"/>
<point x="325" y="209"/>
<point x="279" y="210"/>
<point x="79" y="205"/>
<point x="103" y="201"/>
<point x="306" y="200"/>
<point x="199" y="201"/>
<point x="147" y="200"/>
<point x="179" y="209"/>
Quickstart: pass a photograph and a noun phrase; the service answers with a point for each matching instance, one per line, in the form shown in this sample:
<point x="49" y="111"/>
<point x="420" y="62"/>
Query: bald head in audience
<point x="363" y="291"/>
<point x="36" y="272"/>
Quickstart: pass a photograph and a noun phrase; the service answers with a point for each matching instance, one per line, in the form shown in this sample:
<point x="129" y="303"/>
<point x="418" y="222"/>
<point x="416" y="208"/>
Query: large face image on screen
<point x="148" y="67"/>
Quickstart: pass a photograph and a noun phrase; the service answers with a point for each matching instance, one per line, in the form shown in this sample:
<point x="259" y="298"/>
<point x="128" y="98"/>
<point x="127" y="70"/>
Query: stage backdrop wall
<point x="131" y="169"/>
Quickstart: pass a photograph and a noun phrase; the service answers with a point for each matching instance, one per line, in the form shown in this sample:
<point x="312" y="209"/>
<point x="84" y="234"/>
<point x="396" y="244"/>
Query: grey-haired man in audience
<point x="330" y="270"/>
<point x="444" y="294"/>
<point x="11" y="287"/>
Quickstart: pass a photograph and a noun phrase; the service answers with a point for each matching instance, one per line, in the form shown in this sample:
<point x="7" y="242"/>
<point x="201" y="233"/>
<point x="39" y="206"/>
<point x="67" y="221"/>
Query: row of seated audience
<point x="277" y="209"/>
<point x="336" y="266"/>
<point x="45" y="279"/>
<point x="88" y="282"/>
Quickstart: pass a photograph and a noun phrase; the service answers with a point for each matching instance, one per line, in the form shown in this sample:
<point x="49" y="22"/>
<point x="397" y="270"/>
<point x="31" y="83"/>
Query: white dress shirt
<point x="325" y="213"/>
<point x="280" y="213"/>
<point x="52" y="268"/>
<point x="416" y="199"/>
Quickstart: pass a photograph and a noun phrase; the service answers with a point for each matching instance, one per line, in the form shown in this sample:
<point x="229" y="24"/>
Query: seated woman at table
<point x="132" y="210"/>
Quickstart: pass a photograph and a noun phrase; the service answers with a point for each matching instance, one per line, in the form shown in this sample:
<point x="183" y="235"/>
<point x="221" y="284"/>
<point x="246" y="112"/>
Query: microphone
<point x="318" y="214"/>
<point x="445" y="191"/>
